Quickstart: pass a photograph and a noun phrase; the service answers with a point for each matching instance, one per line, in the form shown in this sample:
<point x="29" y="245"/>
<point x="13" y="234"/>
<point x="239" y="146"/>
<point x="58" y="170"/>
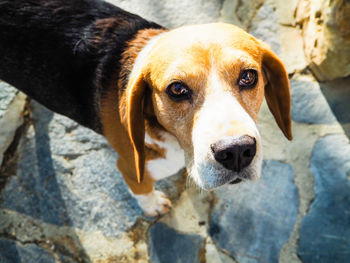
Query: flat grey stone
<point x="265" y="26"/>
<point x="67" y="176"/>
<point x="168" y="246"/>
<point x="173" y="13"/>
<point x="11" y="117"/>
<point x="337" y="93"/>
<point x="286" y="11"/>
<point x="13" y="252"/>
<point x="309" y="104"/>
<point x="7" y="95"/>
<point x="325" y="230"/>
<point x="252" y="221"/>
<point x="286" y="42"/>
<point x="173" y="185"/>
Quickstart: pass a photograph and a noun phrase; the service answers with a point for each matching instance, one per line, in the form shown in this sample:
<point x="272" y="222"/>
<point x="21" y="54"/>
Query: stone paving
<point x="62" y="200"/>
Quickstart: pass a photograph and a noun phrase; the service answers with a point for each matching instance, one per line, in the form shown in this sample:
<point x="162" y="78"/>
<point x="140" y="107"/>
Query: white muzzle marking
<point x="221" y="116"/>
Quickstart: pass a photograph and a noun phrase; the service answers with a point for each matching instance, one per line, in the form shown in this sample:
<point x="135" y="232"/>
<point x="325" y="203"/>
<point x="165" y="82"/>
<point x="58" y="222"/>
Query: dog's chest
<point x="173" y="160"/>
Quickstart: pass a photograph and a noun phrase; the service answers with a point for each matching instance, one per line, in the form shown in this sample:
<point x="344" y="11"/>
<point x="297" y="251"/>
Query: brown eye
<point x="178" y="91"/>
<point x="248" y="79"/>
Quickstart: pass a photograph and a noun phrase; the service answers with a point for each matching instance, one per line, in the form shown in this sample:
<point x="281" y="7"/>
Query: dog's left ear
<point x="277" y="92"/>
<point x="135" y="121"/>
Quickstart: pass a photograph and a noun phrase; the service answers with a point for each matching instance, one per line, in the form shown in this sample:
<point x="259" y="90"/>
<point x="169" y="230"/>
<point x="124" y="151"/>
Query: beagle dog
<point x="163" y="98"/>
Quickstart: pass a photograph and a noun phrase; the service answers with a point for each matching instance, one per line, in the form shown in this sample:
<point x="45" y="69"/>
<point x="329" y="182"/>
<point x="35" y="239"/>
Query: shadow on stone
<point x="337" y="93"/>
<point x="52" y="207"/>
<point x="309" y="104"/>
<point x="168" y="246"/>
<point x="11" y="252"/>
<point x="36" y="192"/>
<point x="67" y="185"/>
<point x="325" y="230"/>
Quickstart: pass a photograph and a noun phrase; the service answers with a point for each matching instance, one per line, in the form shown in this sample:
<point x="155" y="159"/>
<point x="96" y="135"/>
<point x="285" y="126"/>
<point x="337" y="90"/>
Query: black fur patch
<point x="64" y="53"/>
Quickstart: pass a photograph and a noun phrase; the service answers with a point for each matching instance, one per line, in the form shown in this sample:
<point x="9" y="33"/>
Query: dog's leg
<point x="164" y="157"/>
<point x="152" y="202"/>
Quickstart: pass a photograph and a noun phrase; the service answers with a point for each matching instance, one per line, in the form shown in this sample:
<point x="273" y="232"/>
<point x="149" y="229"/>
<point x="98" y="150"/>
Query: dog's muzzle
<point x="234" y="153"/>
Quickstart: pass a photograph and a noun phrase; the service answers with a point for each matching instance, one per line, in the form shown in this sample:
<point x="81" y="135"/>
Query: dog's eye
<point x="178" y="91"/>
<point x="248" y="79"/>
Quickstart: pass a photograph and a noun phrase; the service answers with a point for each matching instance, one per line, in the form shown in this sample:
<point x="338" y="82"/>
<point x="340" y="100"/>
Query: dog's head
<point x="207" y="84"/>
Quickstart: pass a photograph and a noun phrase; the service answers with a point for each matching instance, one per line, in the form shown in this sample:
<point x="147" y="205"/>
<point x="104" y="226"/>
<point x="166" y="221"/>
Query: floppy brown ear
<point x="135" y="122"/>
<point x="277" y="92"/>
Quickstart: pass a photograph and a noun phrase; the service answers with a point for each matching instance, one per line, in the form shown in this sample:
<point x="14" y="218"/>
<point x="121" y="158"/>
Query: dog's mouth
<point x="236" y="181"/>
<point x="211" y="176"/>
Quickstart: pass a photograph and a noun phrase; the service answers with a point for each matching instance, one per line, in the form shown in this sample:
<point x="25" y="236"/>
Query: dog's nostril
<point x="229" y="156"/>
<point x="246" y="153"/>
<point x="224" y="156"/>
<point x="235" y="153"/>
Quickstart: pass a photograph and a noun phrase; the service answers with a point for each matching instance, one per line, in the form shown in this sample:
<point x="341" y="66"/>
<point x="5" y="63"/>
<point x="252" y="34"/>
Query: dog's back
<point x="56" y="51"/>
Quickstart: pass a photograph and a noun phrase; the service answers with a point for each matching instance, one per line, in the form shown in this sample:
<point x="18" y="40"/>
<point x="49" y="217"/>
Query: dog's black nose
<point x="236" y="153"/>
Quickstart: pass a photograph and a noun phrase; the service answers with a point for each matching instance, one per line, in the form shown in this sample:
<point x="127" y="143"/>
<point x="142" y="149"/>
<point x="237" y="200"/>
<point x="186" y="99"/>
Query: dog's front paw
<point x="154" y="204"/>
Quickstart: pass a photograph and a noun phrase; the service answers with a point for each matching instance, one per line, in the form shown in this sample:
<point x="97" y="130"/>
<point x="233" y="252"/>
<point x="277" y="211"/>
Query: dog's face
<point x="208" y="83"/>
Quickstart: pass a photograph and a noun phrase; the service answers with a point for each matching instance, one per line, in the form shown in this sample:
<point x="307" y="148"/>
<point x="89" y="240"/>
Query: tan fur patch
<point x="113" y="112"/>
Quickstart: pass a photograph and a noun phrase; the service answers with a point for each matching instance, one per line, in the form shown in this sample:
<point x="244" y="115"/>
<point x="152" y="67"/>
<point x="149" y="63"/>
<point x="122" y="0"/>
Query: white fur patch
<point x="153" y="204"/>
<point x="174" y="158"/>
<point x="220" y="116"/>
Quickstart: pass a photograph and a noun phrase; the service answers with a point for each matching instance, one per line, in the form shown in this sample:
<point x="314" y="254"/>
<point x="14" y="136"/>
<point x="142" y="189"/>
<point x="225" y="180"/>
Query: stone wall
<point x="326" y="33"/>
<point x="62" y="200"/>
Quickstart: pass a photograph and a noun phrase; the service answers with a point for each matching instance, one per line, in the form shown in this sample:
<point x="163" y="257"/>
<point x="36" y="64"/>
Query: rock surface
<point x="270" y="24"/>
<point x="11" y="108"/>
<point x="71" y="181"/>
<point x="308" y="103"/>
<point x="240" y="13"/>
<point x="325" y="231"/>
<point x="326" y="32"/>
<point x="337" y="93"/>
<point x="252" y="221"/>
<point x="14" y="252"/>
<point x="265" y="26"/>
<point x="172" y="13"/>
<point x="7" y="95"/>
<point x="166" y="245"/>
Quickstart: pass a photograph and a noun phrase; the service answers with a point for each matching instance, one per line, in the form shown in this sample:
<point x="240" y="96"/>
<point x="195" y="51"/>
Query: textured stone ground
<point x="62" y="200"/>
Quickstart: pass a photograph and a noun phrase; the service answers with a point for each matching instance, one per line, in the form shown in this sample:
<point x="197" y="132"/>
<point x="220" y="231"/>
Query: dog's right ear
<point x="135" y="121"/>
<point x="134" y="97"/>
